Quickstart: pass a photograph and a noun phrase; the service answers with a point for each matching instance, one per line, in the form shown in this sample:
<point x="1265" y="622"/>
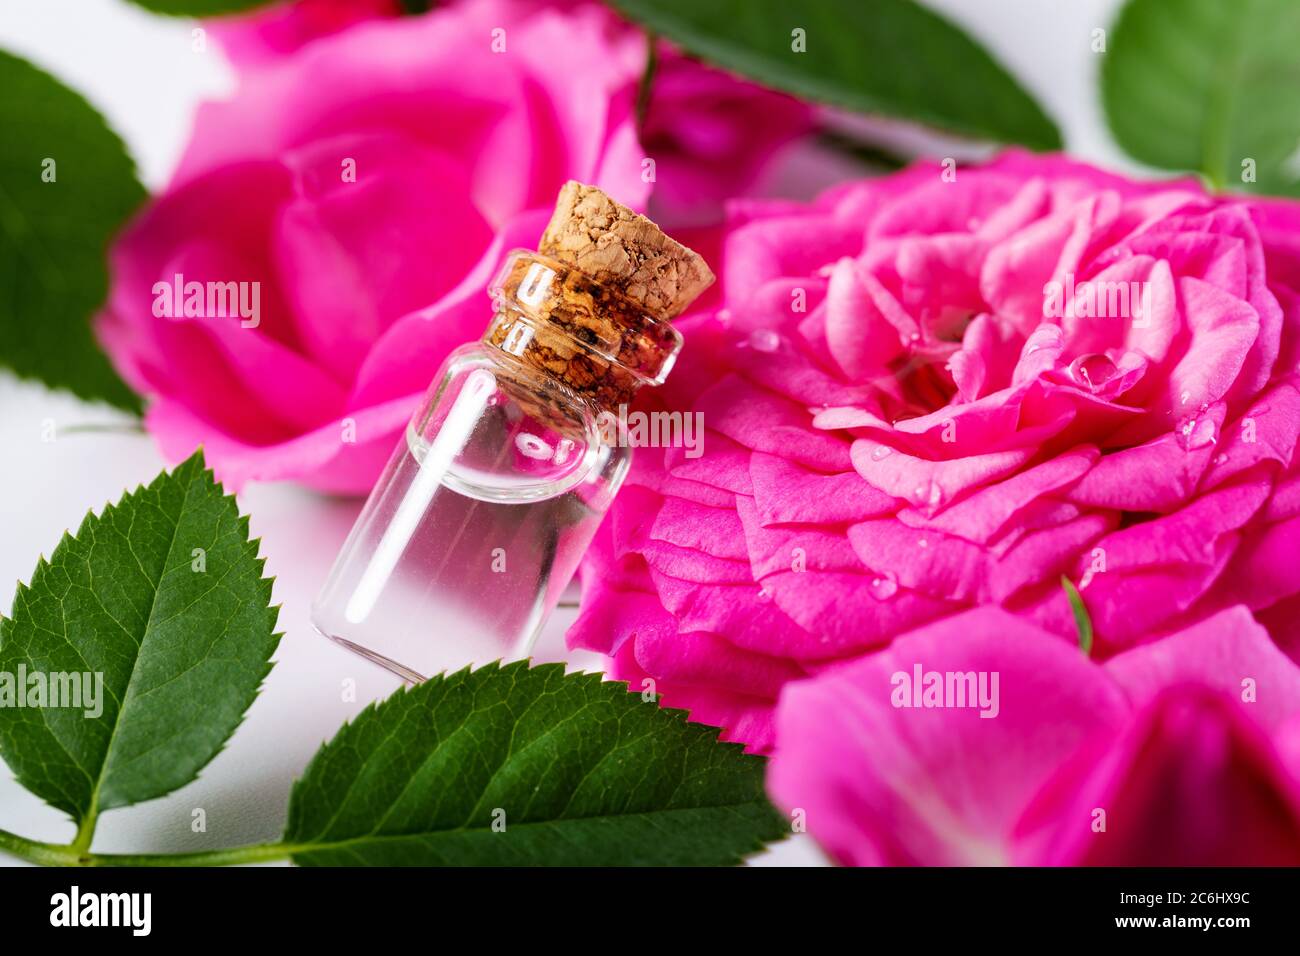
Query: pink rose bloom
<point x="267" y="35"/>
<point x="363" y="285"/>
<point x="360" y="194"/>
<point x="711" y="136"/>
<point x="1183" y="751"/>
<point x="925" y="396"/>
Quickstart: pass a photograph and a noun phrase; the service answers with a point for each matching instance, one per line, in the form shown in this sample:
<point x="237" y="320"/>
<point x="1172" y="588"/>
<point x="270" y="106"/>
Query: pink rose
<point x="923" y="396"/>
<point x="357" y="196"/>
<point x="711" y="136"/>
<point x="363" y="284"/>
<point x="267" y="35"/>
<point x="1181" y="752"/>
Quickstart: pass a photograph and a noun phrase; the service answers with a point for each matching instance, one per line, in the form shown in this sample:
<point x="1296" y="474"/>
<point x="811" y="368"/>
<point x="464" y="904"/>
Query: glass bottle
<point x="495" y="491"/>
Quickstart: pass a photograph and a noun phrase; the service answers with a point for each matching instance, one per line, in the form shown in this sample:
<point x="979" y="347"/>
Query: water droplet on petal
<point x="922" y="543"/>
<point x="1220" y="459"/>
<point x="1194" y="433"/>
<point x="880" y="451"/>
<point x="1185" y="397"/>
<point x="884" y="586"/>
<point x="928" y="495"/>
<point x="764" y="340"/>
<point x="764" y="595"/>
<point x="1092" y="371"/>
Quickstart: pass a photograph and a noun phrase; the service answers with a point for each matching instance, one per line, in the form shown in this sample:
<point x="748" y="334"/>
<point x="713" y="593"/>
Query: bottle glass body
<point x="478" y="522"/>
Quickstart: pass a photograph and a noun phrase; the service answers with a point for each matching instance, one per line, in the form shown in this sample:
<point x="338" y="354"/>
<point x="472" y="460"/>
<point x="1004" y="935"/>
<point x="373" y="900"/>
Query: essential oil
<point x="487" y="505"/>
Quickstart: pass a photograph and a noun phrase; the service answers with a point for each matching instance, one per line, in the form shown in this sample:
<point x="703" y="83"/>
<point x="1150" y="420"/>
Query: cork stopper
<point x="590" y="310"/>
<point x="623" y="251"/>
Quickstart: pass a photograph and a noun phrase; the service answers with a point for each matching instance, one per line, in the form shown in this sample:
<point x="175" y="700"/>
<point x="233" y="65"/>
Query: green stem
<point x="85" y="833"/>
<point x="44" y="854"/>
<point x="257" y="853"/>
<point x="58" y="854"/>
<point x="128" y="428"/>
<point x="646" y="86"/>
<point x="872" y="154"/>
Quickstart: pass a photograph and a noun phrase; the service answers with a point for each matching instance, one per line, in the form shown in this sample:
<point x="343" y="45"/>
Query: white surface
<point x="142" y="72"/>
<point x="48" y="486"/>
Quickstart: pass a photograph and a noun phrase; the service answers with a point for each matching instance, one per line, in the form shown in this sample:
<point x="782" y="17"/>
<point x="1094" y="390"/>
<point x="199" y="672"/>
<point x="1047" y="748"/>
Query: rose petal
<point x="1224" y="651"/>
<point x="1191" y="782"/>
<point x="939" y="786"/>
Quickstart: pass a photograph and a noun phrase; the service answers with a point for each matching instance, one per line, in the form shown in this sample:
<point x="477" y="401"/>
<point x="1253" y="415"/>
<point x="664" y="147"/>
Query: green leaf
<point x="892" y="57"/>
<point x="54" y="235"/>
<point x="200" y="8"/>
<point x="1205" y="86"/>
<point x="580" y="772"/>
<point x="1082" y="620"/>
<point x="163" y="595"/>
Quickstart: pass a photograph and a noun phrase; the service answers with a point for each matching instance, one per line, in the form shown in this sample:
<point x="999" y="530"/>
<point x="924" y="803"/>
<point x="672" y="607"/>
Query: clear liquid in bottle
<point x="486" y="507"/>
<point x="473" y="531"/>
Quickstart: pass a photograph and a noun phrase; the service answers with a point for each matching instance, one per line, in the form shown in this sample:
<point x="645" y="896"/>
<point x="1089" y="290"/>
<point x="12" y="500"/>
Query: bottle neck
<point x="594" y="341"/>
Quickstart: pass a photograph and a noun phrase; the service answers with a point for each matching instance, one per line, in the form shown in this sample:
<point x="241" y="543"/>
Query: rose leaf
<point x="518" y="766"/>
<point x="66" y="185"/>
<point x="888" y="57"/>
<point x="1208" y="87"/>
<point x="161" y="597"/>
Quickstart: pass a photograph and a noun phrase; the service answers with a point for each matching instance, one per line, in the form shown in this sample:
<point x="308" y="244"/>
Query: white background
<point x="142" y="73"/>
